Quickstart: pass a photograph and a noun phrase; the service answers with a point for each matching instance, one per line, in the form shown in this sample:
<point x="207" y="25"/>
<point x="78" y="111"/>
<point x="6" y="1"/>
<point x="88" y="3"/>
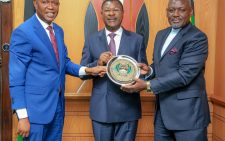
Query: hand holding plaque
<point x="122" y="69"/>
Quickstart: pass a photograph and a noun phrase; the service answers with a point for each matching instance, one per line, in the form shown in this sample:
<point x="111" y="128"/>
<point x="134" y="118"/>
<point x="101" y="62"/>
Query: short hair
<point x="112" y="0"/>
<point x="191" y="3"/>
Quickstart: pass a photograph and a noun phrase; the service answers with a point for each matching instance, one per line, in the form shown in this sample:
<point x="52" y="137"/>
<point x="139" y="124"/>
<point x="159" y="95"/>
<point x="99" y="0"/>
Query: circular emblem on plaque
<point x="122" y="69"/>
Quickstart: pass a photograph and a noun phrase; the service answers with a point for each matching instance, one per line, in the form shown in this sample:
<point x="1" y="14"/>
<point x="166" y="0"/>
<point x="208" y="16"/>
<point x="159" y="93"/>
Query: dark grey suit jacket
<point x="179" y="82"/>
<point x="109" y="103"/>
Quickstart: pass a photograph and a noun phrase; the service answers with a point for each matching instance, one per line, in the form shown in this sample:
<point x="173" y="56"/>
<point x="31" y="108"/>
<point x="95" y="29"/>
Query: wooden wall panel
<point x="5" y="102"/>
<point x="206" y="19"/>
<point x="218" y="123"/>
<point x="18" y="11"/>
<point x="220" y="51"/>
<point x="71" y="18"/>
<point x="77" y="126"/>
<point x="219" y="94"/>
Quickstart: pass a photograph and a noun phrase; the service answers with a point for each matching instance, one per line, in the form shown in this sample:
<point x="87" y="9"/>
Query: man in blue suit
<point x="37" y="67"/>
<point x="114" y="113"/>
<point x="177" y="78"/>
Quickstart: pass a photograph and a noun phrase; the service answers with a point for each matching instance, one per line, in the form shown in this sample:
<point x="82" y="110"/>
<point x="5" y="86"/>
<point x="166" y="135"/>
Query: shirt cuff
<point x="82" y="71"/>
<point x="22" y="113"/>
<point x="149" y="73"/>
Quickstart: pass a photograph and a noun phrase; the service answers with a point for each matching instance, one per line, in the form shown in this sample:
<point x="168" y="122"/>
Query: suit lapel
<point x="175" y="40"/>
<point x="171" y="45"/>
<point x="103" y="41"/>
<point x="162" y="41"/>
<point x="41" y="33"/>
<point x="124" y="43"/>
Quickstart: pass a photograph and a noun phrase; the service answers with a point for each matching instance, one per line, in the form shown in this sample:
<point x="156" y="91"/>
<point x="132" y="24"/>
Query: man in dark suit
<point x="37" y="67"/>
<point x="177" y="78"/>
<point x="114" y="113"/>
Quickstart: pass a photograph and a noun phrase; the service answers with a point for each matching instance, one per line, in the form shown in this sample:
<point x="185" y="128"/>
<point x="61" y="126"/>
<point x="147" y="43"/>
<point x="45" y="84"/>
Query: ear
<point x="192" y="12"/>
<point x="35" y="4"/>
<point x="101" y="13"/>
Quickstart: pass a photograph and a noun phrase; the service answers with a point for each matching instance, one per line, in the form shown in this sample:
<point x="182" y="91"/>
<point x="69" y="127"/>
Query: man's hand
<point x="138" y="86"/>
<point x="104" y="58"/>
<point x="98" y="70"/>
<point x="144" y="68"/>
<point x="23" y="128"/>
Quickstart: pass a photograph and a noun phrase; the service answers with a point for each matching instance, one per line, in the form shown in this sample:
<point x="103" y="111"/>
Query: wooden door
<point x="5" y="31"/>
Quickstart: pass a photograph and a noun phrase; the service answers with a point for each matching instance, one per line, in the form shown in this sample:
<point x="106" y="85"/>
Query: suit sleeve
<point x="142" y="57"/>
<point x="191" y="63"/>
<point x="19" y="59"/>
<point x="71" y="68"/>
<point x="87" y="59"/>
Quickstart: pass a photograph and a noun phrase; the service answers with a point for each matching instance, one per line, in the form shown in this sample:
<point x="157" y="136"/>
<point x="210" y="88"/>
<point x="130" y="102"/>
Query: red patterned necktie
<point x="53" y="41"/>
<point x="112" y="45"/>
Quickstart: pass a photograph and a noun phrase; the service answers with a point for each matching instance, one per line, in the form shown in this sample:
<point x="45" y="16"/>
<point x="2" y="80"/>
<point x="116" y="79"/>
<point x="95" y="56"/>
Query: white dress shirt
<point x="171" y="36"/>
<point x="117" y="38"/>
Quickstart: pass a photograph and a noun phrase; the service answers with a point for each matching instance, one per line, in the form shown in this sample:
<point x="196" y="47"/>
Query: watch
<point x="148" y="86"/>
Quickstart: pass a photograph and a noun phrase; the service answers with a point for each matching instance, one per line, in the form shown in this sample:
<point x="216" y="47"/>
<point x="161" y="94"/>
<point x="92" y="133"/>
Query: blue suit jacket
<point x="35" y="78"/>
<point x="108" y="103"/>
<point x="179" y="82"/>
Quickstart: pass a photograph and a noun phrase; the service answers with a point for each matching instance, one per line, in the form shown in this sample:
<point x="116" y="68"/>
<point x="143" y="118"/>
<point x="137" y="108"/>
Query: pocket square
<point x="173" y="51"/>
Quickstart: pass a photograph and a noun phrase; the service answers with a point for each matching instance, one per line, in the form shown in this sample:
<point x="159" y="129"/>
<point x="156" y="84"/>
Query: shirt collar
<point x="118" y="32"/>
<point x="175" y="30"/>
<point x="44" y="24"/>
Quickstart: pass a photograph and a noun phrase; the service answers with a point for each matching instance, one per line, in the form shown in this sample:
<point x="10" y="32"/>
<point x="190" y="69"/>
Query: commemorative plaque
<point x="122" y="69"/>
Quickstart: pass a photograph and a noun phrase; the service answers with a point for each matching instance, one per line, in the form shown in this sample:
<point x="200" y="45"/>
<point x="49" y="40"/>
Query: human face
<point x="47" y="10"/>
<point x="112" y="15"/>
<point x="179" y="13"/>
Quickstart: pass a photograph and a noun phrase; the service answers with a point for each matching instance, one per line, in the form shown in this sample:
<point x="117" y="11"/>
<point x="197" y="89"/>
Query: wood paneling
<point x="6" y="113"/>
<point x="206" y="19"/>
<point x="220" y="51"/>
<point x="219" y="94"/>
<point x="18" y="11"/>
<point x="218" y="123"/>
<point x="77" y="126"/>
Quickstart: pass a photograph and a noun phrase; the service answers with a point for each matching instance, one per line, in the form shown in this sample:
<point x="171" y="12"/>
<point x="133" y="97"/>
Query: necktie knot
<point x="49" y="28"/>
<point x="112" y="35"/>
